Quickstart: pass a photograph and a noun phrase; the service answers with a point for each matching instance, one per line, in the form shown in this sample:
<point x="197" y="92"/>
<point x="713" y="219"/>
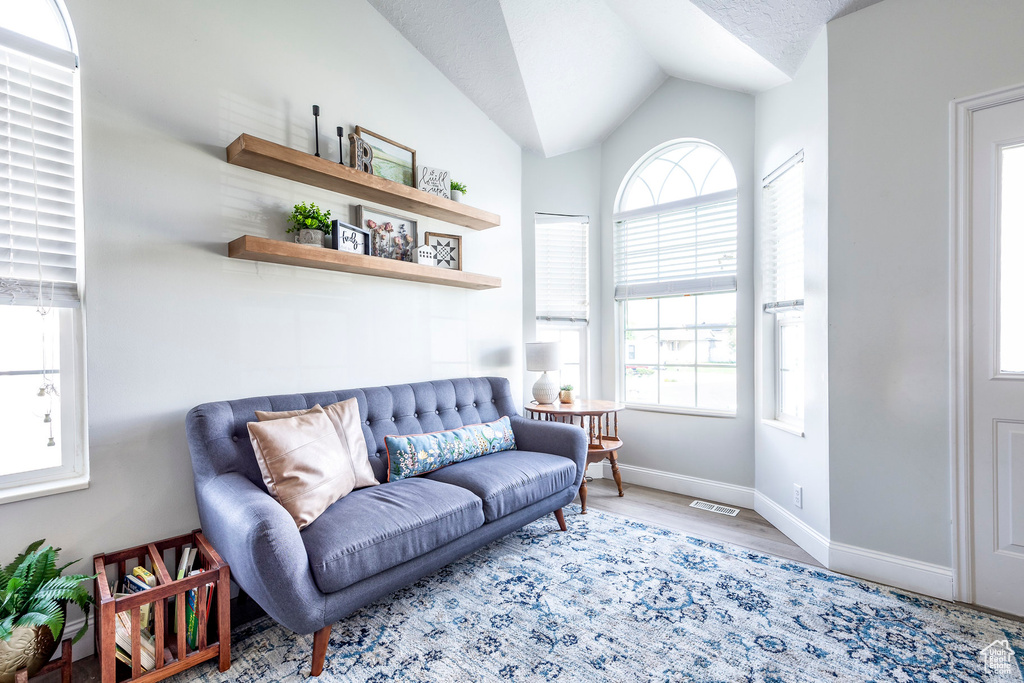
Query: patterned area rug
<point x="618" y="600"/>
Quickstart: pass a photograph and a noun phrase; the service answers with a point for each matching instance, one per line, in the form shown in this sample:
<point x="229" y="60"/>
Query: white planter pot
<point x="456" y="196"/>
<point x="314" y="238"/>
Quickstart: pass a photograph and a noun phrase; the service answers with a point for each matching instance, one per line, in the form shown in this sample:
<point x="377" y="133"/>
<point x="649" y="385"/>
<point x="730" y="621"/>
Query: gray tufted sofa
<point x="377" y="539"/>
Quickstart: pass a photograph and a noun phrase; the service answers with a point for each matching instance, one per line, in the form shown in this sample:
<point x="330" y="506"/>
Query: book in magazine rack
<point x="172" y="652"/>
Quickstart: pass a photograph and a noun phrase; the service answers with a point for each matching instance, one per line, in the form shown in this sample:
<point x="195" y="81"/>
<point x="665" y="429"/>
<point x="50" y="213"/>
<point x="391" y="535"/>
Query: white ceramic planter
<point x="456" y="196"/>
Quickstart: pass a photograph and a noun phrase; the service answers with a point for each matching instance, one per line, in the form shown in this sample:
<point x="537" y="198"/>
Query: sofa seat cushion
<point x="377" y="528"/>
<point x="510" y="480"/>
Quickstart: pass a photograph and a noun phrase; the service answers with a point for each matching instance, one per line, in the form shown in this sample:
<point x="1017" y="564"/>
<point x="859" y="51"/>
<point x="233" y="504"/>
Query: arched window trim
<point x="42" y="50"/>
<point x="657" y="154"/>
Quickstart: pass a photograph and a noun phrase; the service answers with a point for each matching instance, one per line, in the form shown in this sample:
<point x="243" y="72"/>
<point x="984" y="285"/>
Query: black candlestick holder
<point x="341" y="145"/>
<point x="316" y="127"/>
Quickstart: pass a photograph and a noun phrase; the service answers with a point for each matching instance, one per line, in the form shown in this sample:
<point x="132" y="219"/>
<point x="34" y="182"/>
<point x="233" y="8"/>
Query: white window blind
<point x="562" y="277"/>
<point x="687" y="248"/>
<point x="37" y="182"/>
<point x="784" y="236"/>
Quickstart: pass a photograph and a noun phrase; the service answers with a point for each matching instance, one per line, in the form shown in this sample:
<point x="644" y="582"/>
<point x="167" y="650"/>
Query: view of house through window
<point x="675" y="280"/>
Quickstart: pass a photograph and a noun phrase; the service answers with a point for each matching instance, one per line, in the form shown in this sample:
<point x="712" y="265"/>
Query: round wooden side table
<point x="600" y="420"/>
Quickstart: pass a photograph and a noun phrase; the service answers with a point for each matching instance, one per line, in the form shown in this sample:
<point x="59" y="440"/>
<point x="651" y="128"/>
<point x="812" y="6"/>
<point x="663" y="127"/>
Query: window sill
<point x="798" y="430"/>
<point x="696" y="412"/>
<point x="44" y="488"/>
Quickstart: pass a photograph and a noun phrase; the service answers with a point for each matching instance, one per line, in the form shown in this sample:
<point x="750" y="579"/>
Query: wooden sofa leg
<point x="560" y="516"/>
<point x="320" y="640"/>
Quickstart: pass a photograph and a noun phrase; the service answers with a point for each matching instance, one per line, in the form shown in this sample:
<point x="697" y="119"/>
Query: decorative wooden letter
<point x="360" y="154"/>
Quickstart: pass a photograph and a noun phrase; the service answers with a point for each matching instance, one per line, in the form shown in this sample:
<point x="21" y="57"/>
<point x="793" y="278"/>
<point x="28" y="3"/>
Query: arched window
<point x="41" y="363"/>
<point x="675" y="279"/>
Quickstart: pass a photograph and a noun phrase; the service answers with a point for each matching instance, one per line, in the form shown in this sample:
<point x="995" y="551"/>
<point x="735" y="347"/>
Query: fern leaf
<point x="9" y="570"/>
<point x="51" y="616"/>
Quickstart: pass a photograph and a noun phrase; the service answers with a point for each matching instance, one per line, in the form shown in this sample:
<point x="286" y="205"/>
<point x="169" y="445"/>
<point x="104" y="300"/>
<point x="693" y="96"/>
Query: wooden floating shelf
<point x="254" y="248"/>
<point x="269" y="157"/>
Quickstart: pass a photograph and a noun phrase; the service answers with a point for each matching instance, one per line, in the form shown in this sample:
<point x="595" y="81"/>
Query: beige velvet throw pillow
<point x="302" y="463"/>
<point x="344" y="415"/>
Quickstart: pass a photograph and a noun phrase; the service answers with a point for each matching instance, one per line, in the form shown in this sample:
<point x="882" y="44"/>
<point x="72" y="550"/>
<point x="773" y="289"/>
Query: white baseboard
<point x="714" y="491"/>
<point x="892" y="570"/>
<point x="798" y="531"/>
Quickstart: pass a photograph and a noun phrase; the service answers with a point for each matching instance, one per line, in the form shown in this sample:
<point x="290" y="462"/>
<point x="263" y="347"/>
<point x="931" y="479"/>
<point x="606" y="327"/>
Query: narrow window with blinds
<point x="563" y="291"/>
<point x="675" y="280"/>
<point x="43" y="449"/>
<point x="783" y="285"/>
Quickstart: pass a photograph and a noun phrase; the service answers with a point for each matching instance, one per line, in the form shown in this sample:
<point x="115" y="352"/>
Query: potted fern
<point x="33" y="608"/>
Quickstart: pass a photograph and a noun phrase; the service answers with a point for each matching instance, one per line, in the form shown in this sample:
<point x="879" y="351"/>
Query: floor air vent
<point x="713" y="507"/>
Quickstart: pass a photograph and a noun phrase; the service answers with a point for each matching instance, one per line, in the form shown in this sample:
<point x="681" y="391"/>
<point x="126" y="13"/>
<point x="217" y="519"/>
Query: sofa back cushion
<point x="219" y="440"/>
<point x="410" y="455"/>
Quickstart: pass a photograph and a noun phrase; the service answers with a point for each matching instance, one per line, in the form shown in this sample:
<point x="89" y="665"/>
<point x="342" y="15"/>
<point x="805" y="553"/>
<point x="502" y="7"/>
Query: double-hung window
<point x="563" y="291"/>
<point x="675" y="280"/>
<point x="783" y="287"/>
<point x="42" y="410"/>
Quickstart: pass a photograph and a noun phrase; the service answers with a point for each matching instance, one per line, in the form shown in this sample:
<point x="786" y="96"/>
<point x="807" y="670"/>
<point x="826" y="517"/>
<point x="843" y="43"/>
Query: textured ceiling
<point x="560" y="75"/>
<point x="781" y="31"/>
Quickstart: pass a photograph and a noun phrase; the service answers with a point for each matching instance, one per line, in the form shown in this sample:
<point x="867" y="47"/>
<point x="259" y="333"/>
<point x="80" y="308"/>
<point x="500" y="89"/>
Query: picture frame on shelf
<point x="447" y="249"/>
<point x="391" y="236"/>
<point x="390" y="160"/>
<point x="434" y="181"/>
<point x="350" y="238"/>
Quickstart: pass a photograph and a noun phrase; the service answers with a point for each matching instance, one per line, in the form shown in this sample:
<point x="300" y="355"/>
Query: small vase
<point x="567" y="396"/>
<point x="28" y="647"/>
<point x="314" y="238"/>
<point x="456" y="196"/>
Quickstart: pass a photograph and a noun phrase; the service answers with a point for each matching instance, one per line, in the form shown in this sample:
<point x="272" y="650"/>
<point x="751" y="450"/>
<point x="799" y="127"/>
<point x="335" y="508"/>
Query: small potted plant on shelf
<point x="566" y="394"/>
<point x="458" y="189"/>
<point x="310" y="223"/>
<point x="33" y="609"/>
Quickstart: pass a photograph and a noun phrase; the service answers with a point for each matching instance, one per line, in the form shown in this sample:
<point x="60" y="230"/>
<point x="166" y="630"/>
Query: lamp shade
<point x="542" y="356"/>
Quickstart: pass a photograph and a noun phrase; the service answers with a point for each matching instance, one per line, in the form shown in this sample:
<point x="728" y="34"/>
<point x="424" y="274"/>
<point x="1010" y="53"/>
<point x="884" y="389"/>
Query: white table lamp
<point x="544" y="357"/>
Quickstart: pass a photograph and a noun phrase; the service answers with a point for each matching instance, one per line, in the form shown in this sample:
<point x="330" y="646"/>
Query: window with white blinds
<point x="563" y="291"/>
<point x="688" y="250"/>
<point x="783" y="211"/>
<point x="38" y="233"/>
<point x="675" y="226"/>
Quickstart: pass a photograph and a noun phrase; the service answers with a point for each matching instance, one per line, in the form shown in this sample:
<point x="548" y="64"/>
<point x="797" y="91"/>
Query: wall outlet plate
<point x="798" y="495"/>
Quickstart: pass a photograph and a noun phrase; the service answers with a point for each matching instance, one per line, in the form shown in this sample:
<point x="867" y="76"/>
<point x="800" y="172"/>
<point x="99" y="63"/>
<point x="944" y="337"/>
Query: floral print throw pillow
<point x="415" y="454"/>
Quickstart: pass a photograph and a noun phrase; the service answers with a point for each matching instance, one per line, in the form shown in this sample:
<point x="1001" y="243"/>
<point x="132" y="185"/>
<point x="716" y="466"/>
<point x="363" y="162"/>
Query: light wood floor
<point x="672" y="510"/>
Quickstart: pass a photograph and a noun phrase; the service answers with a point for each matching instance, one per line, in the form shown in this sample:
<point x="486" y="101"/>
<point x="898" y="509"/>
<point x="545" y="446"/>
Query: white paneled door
<point x="997" y="356"/>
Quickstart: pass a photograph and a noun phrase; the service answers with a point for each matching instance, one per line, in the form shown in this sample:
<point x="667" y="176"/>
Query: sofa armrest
<point x="259" y="539"/>
<point x="557" y="438"/>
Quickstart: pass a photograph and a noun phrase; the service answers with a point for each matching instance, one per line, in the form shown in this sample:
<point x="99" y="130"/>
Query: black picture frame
<point x="343" y="234"/>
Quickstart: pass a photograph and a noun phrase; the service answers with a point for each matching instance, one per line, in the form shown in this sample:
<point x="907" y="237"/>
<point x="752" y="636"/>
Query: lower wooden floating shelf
<point x="263" y="249"/>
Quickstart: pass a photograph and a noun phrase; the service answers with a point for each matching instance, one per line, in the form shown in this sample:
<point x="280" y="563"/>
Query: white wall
<point x="791" y="118"/>
<point x="716" y="449"/>
<point x="893" y="70"/>
<point x="172" y="322"/>
<point x="567" y="184"/>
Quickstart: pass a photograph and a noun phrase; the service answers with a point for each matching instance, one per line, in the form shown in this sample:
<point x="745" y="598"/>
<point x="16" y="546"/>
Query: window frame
<point x="783" y="320"/>
<point x="623" y="361"/>
<point x="783" y="313"/>
<point x="73" y="473"/>
<point x="691" y="286"/>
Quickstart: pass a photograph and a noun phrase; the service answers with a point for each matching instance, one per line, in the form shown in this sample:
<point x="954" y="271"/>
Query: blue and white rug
<point x="618" y="600"/>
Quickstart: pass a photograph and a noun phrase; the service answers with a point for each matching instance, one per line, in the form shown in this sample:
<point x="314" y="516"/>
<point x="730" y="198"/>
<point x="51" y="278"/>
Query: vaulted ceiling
<point x="560" y="75"/>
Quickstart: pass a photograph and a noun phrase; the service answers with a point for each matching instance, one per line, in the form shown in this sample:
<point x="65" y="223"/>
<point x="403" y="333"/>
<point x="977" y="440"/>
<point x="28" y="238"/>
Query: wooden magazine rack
<point x="171" y="650"/>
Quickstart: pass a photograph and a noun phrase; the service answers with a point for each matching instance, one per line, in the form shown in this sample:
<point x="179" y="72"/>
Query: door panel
<point x="997" y="388"/>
